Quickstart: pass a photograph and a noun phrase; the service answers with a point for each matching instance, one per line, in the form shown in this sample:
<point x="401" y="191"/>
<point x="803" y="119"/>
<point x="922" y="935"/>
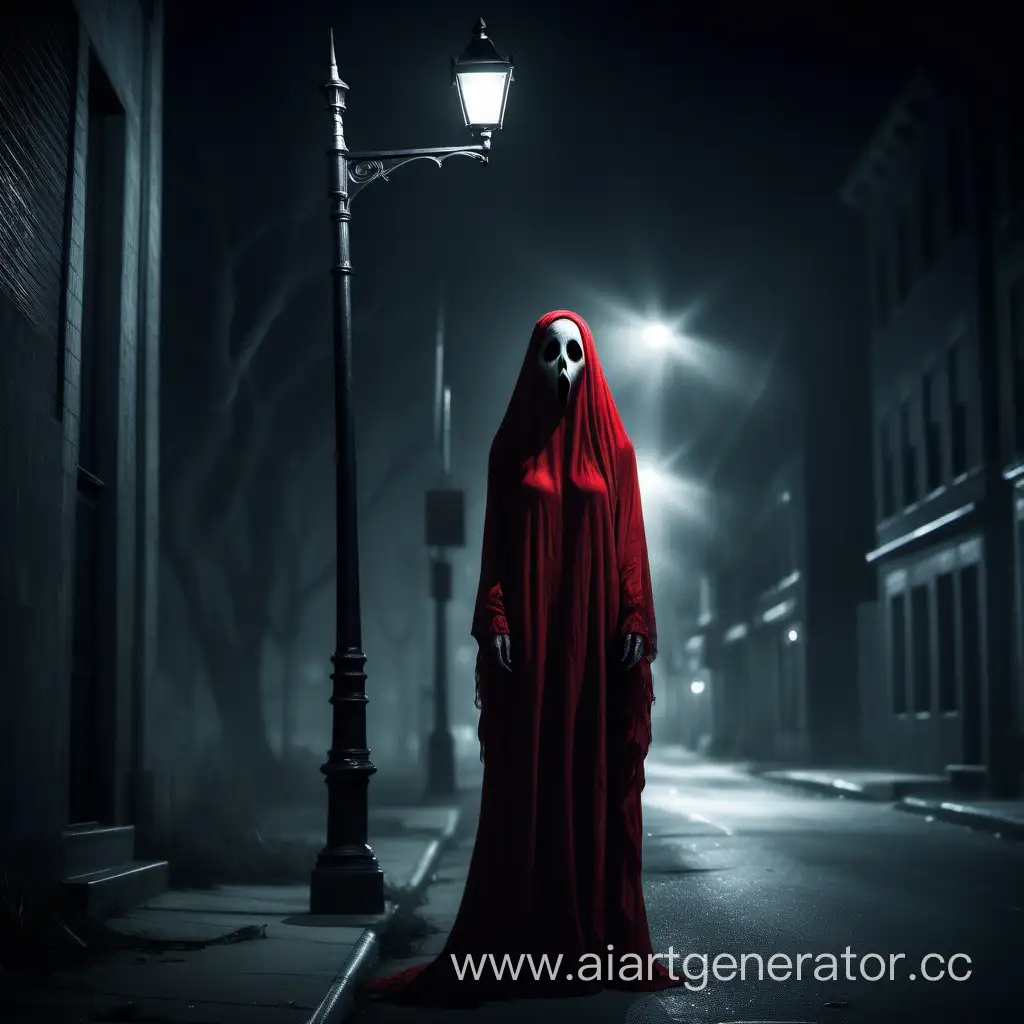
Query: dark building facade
<point x="941" y="696"/>
<point x="756" y="643"/>
<point x="80" y="127"/>
<point x="1008" y="264"/>
<point x="786" y="564"/>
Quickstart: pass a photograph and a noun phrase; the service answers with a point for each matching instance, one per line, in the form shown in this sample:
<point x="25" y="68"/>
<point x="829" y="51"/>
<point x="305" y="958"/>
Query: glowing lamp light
<point x="657" y="335"/>
<point x="697" y="686"/>
<point x="482" y="77"/>
<point x="792" y="636"/>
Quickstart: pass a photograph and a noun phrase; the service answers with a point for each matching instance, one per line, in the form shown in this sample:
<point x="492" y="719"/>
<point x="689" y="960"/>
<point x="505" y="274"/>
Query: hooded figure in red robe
<point x="565" y="624"/>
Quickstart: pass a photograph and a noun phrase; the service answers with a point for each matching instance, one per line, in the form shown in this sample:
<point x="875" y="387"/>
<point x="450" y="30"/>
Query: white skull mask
<point x="561" y="359"/>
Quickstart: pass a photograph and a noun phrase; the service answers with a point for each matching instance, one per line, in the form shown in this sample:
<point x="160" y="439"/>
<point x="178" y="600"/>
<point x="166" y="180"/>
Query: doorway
<point x="93" y="689"/>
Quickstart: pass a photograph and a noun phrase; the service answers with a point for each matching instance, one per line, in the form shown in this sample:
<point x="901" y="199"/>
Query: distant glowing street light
<point x="697" y="686"/>
<point x="347" y="878"/>
<point x="657" y="336"/>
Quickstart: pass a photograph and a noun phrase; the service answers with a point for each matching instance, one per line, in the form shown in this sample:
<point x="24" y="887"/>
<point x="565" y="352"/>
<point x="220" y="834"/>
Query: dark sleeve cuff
<point x="634" y="623"/>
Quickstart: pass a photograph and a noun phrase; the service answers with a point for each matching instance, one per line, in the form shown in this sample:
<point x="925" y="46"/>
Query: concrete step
<point x="113" y="890"/>
<point x="967" y="779"/>
<point x="93" y="847"/>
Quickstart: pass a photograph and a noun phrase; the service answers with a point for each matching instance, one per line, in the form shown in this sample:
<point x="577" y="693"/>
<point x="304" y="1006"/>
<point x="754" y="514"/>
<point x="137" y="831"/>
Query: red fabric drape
<point x="565" y="572"/>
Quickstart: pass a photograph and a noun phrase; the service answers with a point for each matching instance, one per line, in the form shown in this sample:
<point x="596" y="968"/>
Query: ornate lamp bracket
<point x="364" y="168"/>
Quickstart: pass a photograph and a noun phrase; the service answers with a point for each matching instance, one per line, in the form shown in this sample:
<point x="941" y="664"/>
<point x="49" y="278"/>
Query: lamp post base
<point x="347" y="885"/>
<point x="441" y="765"/>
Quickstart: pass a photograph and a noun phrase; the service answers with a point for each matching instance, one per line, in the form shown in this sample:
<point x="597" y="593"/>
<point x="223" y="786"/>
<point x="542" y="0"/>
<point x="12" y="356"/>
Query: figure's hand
<point x="633" y="650"/>
<point x="503" y="649"/>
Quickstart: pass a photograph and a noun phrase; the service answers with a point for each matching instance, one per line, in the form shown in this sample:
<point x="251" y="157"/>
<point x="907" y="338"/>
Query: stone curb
<point x="361" y="961"/>
<point x="833" y="787"/>
<point x="964" y="814"/>
<point x="942" y="810"/>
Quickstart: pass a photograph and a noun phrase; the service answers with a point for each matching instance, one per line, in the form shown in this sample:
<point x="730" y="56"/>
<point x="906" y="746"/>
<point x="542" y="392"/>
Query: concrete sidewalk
<point x="927" y="795"/>
<point x="241" y="953"/>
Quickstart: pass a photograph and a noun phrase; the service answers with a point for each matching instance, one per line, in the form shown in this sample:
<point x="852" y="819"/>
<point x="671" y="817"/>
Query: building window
<point x="1015" y="330"/>
<point x="945" y="609"/>
<point x="882" y="287"/>
<point x="956" y="180"/>
<point x="926" y="217"/>
<point x="956" y="385"/>
<point x="908" y="446"/>
<point x="898" y="652"/>
<point x="887" y="455"/>
<point x="904" y="258"/>
<point x="933" y="454"/>
<point x="921" y="640"/>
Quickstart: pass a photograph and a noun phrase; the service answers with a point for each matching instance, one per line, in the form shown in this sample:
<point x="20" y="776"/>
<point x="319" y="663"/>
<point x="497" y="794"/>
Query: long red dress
<point x="557" y="862"/>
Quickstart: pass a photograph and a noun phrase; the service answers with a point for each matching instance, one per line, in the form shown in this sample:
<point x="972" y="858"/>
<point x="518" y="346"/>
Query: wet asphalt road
<point x="737" y="866"/>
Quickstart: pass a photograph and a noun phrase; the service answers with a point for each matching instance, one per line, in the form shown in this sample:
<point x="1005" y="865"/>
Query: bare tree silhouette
<point x="257" y="390"/>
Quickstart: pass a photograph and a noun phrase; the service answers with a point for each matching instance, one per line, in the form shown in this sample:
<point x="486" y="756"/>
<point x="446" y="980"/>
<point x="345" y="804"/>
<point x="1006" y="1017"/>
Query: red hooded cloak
<point x="565" y="572"/>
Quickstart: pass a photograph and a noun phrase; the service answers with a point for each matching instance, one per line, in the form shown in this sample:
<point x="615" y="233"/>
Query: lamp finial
<point x="335" y="80"/>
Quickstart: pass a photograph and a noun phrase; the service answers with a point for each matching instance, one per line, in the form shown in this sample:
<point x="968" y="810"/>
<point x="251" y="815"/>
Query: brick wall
<point x="38" y="465"/>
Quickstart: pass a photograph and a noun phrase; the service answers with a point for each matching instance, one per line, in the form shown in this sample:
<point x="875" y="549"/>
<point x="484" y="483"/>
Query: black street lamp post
<point x="347" y="878"/>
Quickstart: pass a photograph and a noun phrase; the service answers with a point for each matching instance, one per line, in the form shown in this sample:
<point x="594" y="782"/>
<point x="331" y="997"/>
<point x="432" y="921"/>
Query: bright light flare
<point x="657" y="336"/>
<point x="621" y="331"/>
<point x="697" y="686"/>
<point x="792" y="636"/>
